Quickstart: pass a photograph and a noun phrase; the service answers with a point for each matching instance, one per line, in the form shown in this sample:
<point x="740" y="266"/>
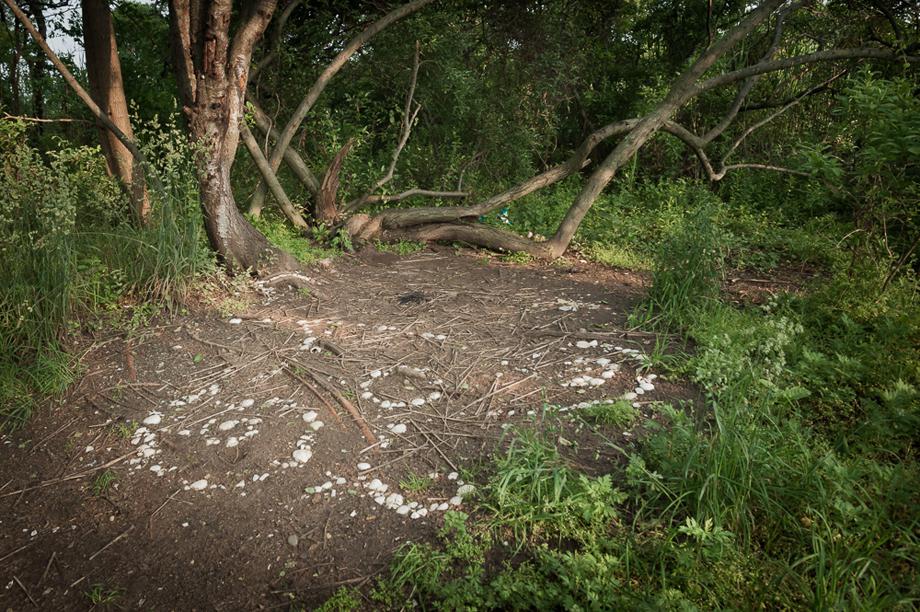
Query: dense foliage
<point x="794" y="484"/>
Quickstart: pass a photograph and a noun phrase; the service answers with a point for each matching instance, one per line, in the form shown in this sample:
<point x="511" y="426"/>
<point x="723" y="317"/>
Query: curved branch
<point x="293" y="160"/>
<point x="287" y="134"/>
<point x="275" y="40"/>
<point x="408" y="120"/>
<point x="829" y="55"/>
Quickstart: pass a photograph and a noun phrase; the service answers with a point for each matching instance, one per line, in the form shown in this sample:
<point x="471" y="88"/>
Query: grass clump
<point x="73" y="251"/>
<point x="287" y="238"/>
<point x="400" y="247"/>
<point x="619" y="414"/>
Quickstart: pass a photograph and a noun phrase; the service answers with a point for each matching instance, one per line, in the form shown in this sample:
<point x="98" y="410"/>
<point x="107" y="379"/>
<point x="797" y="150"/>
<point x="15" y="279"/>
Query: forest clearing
<point x="311" y="305"/>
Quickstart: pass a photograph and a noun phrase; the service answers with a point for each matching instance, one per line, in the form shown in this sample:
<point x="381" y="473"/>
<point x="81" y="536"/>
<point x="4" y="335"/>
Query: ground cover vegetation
<point x="601" y="130"/>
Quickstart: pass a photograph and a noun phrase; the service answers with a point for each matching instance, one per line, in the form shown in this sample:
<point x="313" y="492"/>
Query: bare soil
<point x="196" y="421"/>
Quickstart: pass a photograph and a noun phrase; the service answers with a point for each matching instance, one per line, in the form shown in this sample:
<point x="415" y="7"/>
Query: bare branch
<point x="749" y="83"/>
<point x="9" y="117"/>
<point x="408" y="120"/>
<point x="287" y="134"/>
<point x="829" y="55"/>
<point x="269" y="177"/>
<point x="777" y="113"/>
<point x="275" y="39"/>
<point x="409" y="193"/>
<point x="291" y="157"/>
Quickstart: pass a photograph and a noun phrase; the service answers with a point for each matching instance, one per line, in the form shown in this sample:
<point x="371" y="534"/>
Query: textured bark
<point x="287" y="134"/>
<point x="107" y="89"/>
<point x="212" y="71"/>
<point x="326" y="208"/>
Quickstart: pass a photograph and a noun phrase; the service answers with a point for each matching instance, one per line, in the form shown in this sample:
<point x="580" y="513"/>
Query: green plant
<point x="400" y="247"/>
<point x="289" y="239"/>
<point x="517" y="257"/>
<point x="619" y="414"/>
<point x="345" y="599"/>
<point x="103" y="595"/>
<point x="103" y="481"/>
<point x="415" y="483"/>
<point x="125" y="429"/>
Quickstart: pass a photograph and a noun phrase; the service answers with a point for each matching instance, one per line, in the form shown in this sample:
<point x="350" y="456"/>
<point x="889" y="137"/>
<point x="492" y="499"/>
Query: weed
<point x="415" y="483"/>
<point x="345" y="599"/>
<point x="620" y="413"/>
<point x="400" y="247"/>
<point x="103" y="482"/>
<point x="517" y="257"/>
<point x="288" y="239"/>
<point x="125" y="429"/>
<point x="103" y="595"/>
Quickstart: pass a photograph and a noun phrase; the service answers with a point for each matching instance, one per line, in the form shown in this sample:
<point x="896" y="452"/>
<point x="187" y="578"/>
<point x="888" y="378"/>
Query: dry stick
<point x="26" y="591"/>
<point x="497" y="391"/>
<point x="47" y="568"/>
<point x="315" y="392"/>
<point x="213" y="344"/>
<point x="45" y="439"/>
<point x="10" y="554"/>
<point x="75" y="476"/>
<point x="362" y="424"/>
<point x="435" y="446"/>
<point x="102" y="117"/>
<point x="115" y="539"/>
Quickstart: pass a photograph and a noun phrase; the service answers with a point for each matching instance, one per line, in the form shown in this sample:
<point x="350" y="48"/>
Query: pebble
<point x="399" y="428"/>
<point x="302" y="455"/>
<point x="403" y="510"/>
<point x="316" y="425"/>
<point x="453" y="476"/>
<point x="228" y="425"/>
<point x="364" y="466"/>
<point x="309" y="417"/>
<point x="153" y="419"/>
<point x="456" y="500"/>
<point x="418" y="402"/>
<point x="466" y="490"/>
<point x="247" y="403"/>
<point x="232" y="442"/>
<point x="235" y="321"/>
<point x="293" y="540"/>
<point x="199" y="485"/>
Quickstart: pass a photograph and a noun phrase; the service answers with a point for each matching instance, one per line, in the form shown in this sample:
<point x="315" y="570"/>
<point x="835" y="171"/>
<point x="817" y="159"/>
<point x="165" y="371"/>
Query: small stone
<point x="403" y="510"/>
<point x="418" y="402"/>
<point x="228" y="425"/>
<point x="456" y="500"/>
<point x="232" y="442"/>
<point x="316" y="425"/>
<point x="199" y="485"/>
<point x="184" y="432"/>
<point x="302" y="455"/>
<point x="434" y="396"/>
<point x="247" y="403"/>
<point x="466" y="490"/>
<point x="235" y="321"/>
<point x="443" y="506"/>
<point x="153" y="419"/>
<point x="376" y="374"/>
<point x="364" y="466"/>
<point x="399" y="428"/>
<point x="453" y="476"/>
<point x="309" y="417"/>
<point x="293" y="540"/>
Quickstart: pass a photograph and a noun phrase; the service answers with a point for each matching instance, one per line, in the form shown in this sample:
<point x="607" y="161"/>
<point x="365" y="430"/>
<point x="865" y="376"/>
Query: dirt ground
<point x="249" y="461"/>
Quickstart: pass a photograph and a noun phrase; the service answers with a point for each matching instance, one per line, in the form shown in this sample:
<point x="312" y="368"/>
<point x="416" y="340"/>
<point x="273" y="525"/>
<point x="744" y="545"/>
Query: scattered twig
<point x="75" y="476"/>
<point x="115" y="539"/>
<point x="18" y="550"/>
<point x="362" y="424"/>
<point x="26" y="591"/>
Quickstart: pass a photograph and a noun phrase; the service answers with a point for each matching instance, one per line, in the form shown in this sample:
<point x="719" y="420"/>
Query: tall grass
<point x="69" y="248"/>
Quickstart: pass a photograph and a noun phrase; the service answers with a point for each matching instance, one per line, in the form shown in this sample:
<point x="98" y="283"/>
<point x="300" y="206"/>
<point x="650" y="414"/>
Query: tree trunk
<point x="107" y="88"/>
<point x="212" y="73"/>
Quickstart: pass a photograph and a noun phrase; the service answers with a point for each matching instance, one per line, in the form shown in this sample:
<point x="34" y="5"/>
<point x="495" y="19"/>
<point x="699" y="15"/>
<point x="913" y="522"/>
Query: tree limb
<point x="287" y="134"/>
<point x="828" y="55"/>
<point x="275" y="40"/>
<point x="269" y="177"/>
<point x="129" y="143"/>
<point x="408" y="120"/>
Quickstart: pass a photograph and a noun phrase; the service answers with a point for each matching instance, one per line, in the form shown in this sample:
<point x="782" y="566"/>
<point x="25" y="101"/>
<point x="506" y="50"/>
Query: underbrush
<point x="72" y="252"/>
<point x="795" y="486"/>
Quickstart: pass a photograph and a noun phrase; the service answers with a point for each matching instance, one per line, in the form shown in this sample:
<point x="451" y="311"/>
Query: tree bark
<point x="212" y="72"/>
<point x="107" y="88"/>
